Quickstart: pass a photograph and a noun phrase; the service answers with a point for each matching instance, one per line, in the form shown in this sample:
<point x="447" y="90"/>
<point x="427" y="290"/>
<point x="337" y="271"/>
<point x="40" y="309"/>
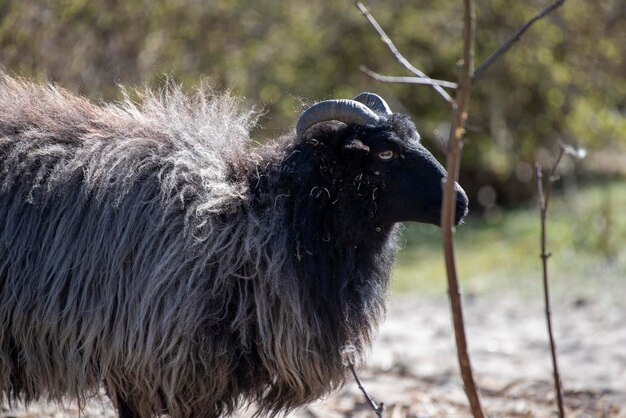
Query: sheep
<point x="149" y="248"/>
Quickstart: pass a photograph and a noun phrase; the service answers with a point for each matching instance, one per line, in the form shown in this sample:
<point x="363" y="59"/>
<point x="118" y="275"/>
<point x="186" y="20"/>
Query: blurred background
<point x="564" y="82"/>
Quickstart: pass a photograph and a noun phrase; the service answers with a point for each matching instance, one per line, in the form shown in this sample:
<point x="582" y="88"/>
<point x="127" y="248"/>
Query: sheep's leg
<point x="125" y="408"/>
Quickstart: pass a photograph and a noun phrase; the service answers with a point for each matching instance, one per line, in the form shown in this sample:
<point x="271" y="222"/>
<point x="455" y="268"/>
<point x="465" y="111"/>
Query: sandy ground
<point x="412" y="367"/>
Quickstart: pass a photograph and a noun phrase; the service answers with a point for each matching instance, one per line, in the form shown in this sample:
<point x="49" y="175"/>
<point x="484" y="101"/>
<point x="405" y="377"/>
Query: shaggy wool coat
<point x="152" y="249"/>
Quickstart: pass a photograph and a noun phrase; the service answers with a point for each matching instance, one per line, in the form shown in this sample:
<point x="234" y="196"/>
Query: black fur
<point x="152" y="249"/>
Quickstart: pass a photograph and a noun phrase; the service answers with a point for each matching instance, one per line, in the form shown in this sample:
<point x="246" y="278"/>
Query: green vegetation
<point x="564" y="81"/>
<point x="586" y="233"/>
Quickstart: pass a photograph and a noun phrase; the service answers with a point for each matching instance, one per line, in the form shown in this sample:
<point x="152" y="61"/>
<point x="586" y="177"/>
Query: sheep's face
<point x="409" y="176"/>
<point x="389" y="173"/>
<point x="412" y="179"/>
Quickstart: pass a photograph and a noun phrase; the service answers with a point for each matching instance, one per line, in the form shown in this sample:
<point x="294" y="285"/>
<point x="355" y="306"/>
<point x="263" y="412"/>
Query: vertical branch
<point x="453" y="153"/>
<point x="544" y="199"/>
<point x="455" y="146"/>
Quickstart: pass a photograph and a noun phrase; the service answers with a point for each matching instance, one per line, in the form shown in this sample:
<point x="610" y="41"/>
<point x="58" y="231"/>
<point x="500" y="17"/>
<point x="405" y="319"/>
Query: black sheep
<point x="151" y="250"/>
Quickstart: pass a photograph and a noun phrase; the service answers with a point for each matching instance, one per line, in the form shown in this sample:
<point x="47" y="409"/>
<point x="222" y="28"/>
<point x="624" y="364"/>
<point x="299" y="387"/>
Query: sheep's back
<point x="102" y="210"/>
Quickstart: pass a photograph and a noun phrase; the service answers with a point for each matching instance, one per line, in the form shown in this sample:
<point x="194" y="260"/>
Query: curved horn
<point x="374" y="102"/>
<point x="346" y="111"/>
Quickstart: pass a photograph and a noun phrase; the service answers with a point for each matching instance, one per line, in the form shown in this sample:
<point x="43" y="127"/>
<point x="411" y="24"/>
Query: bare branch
<point x="455" y="145"/>
<point x="544" y="200"/>
<point x="454" y="148"/>
<point x="503" y="49"/>
<point x="348" y="359"/>
<point x="378" y="408"/>
<point x="399" y="57"/>
<point x="408" y="80"/>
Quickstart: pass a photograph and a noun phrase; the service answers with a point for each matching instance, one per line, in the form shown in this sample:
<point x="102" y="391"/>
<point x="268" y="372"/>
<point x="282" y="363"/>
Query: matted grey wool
<point x="134" y="256"/>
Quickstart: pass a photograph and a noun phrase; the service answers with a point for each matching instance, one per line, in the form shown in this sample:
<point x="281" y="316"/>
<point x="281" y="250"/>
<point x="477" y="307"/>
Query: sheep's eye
<point x="386" y="155"/>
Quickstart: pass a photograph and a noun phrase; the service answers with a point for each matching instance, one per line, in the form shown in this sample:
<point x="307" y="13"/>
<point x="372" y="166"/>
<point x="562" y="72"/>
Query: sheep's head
<point x="386" y="148"/>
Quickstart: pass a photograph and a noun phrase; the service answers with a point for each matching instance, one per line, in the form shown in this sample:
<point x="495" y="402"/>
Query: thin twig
<point x="455" y="145"/>
<point x="408" y="80"/>
<point x="544" y="199"/>
<point x="399" y="57"/>
<point x="512" y="40"/>
<point x="378" y="408"/>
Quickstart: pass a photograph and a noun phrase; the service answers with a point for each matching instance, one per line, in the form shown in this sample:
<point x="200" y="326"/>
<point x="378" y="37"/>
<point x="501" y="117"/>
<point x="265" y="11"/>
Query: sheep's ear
<point x="355" y="147"/>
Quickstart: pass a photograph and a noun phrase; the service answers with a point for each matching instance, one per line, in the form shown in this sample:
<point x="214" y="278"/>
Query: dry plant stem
<point x="378" y="408"/>
<point x="408" y="80"/>
<point x="399" y="57"/>
<point x="544" y="199"/>
<point x="454" y="148"/>
<point x="512" y="40"/>
<point x="455" y="145"/>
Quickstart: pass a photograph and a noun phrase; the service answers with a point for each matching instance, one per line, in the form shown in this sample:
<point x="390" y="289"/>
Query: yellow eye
<point x="386" y="155"/>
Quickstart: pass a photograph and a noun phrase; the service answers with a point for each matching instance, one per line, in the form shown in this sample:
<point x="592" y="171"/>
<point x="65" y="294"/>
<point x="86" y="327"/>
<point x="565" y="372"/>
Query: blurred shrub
<point x="564" y="81"/>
